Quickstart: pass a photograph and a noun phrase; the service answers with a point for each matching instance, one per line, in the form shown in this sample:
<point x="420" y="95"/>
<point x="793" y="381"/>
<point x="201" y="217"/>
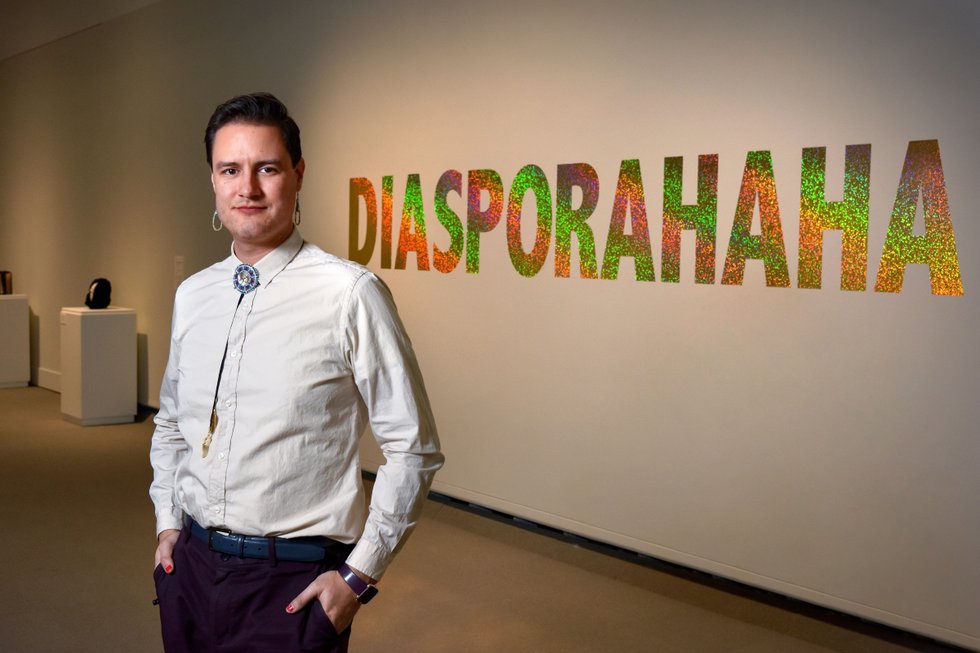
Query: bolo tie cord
<point x="245" y="280"/>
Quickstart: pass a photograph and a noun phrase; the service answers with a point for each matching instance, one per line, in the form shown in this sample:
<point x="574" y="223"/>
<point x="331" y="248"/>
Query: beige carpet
<point x="76" y="554"/>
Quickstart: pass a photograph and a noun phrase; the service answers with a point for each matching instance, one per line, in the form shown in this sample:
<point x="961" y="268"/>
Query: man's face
<point x="255" y="186"/>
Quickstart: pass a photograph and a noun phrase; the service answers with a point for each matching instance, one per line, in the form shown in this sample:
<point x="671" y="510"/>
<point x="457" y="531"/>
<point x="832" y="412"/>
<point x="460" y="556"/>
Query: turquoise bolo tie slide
<point x="246" y="278"/>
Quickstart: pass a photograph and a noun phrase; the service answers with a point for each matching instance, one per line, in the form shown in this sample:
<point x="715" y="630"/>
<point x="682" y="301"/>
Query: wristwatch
<point x="363" y="591"/>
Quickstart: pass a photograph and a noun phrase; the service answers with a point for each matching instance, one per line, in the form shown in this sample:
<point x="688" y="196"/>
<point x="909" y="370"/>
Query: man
<point x="280" y="356"/>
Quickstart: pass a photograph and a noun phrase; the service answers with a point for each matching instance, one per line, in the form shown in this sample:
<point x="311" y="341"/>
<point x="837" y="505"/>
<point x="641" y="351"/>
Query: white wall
<point x="820" y="443"/>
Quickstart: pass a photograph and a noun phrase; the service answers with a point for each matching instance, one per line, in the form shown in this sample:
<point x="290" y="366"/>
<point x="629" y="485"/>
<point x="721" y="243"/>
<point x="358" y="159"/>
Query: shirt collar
<point x="273" y="263"/>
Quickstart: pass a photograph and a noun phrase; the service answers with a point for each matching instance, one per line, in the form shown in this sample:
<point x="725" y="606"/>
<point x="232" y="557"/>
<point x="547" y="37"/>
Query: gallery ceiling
<point x="28" y="24"/>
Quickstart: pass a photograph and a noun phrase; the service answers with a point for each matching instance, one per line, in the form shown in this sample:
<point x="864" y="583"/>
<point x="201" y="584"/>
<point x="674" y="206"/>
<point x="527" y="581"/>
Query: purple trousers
<point x="215" y="603"/>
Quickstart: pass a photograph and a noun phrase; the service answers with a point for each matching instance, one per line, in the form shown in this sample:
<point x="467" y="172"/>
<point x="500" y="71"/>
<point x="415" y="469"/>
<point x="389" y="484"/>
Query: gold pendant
<point x="207" y="440"/>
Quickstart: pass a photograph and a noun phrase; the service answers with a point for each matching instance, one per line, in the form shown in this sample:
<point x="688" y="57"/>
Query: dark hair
<point x="257" y="109"/>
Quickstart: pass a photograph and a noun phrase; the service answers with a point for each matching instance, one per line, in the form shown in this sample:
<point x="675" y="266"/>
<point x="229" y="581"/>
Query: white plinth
<point x="98" y="365"/>
<point x="15" y="341"/>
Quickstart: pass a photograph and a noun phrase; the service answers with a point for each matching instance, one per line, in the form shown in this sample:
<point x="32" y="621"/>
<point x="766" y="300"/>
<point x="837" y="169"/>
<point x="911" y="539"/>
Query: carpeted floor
<point x="76" y="555"/>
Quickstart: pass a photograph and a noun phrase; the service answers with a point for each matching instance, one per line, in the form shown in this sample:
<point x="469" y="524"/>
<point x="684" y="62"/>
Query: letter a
<point x="757" y="182"/>
<point x="922" y="170"/>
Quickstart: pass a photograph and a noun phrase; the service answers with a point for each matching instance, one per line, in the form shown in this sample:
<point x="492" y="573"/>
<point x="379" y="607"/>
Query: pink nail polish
<point x="290" y="608"/>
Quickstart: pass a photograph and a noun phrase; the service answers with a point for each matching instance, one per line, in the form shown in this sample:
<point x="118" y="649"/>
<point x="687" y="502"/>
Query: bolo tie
<point x="245" y="279"/>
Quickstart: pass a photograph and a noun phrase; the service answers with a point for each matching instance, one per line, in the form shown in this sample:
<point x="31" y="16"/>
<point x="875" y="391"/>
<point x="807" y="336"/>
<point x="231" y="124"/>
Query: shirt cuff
<point x="169" y="518"/>
<point x="369" y="559"/>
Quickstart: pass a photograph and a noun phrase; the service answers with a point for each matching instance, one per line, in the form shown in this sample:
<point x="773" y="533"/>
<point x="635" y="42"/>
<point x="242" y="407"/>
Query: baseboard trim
<point x="45" y="378"/>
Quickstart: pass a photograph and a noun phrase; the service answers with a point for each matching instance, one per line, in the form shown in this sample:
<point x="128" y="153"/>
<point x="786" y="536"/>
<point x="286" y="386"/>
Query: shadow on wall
<point x="142" y="366"/>
<point x="35" y="339"/>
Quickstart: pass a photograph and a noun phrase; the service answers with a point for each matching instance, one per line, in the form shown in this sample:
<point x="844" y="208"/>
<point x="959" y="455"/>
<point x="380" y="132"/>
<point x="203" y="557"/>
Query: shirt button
<point x="217" y="508"/>
<point x="228" y="403"/>
<point x="221" y="455"/>
<point x="233" y="354"/>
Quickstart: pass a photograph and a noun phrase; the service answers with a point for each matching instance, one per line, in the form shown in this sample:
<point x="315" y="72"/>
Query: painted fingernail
<point x="168" y="568"/>
<point x="290" y="608"/>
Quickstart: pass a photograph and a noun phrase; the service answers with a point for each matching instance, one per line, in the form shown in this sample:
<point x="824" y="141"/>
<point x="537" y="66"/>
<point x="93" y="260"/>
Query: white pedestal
<point x="15" y="341"/>
<point x="98" y="365"/>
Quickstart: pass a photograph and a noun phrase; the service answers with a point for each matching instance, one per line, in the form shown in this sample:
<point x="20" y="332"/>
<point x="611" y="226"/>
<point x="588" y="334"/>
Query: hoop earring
<point x="297" y="214"/>
<point x="216" y="221"/>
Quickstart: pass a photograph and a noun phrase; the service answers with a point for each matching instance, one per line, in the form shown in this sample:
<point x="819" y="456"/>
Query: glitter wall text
<point x="558" y="220"/>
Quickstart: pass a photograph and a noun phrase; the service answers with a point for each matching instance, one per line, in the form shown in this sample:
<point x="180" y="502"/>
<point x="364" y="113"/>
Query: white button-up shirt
<point x="315" y="354"/>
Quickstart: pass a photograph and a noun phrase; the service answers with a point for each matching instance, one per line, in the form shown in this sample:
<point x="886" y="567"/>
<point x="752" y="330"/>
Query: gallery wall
<point x="817" y="441"/>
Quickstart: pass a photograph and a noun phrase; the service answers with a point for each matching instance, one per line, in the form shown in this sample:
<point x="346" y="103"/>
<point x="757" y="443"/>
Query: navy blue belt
<point x="251" y="546"/>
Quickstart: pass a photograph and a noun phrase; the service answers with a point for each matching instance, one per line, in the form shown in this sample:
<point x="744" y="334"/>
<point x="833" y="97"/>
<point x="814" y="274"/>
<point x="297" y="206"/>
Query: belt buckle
<point x="211" y="546"/>
<point x="238" y="540"/>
